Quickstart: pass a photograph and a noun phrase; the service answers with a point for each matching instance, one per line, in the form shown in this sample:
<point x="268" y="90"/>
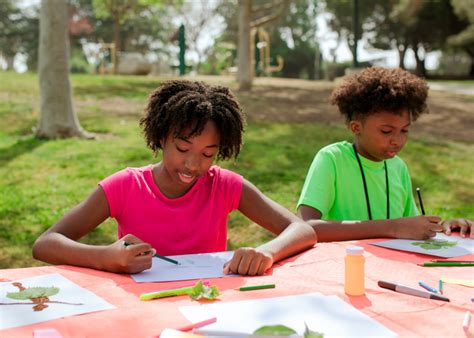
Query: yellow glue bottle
<point x="354" y="271"/>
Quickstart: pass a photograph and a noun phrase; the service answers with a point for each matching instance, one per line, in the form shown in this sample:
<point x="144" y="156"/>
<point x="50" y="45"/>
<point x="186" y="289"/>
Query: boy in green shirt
<point x="363" y="190"/>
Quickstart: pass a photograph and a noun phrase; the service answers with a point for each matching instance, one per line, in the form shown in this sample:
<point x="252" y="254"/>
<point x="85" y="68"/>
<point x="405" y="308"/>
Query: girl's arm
<point x="294" y="235"/>
<point x="417" y="227"/>
<point x="464" y="225"/>
<point x="58" y="245"/>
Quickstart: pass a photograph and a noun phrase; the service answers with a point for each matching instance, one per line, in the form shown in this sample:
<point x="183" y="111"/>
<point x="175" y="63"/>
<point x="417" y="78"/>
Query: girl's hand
<point x="418" y="227"/>
<point x="249" y="261"/>
<point x="463" y="224"/>
<point x="133" y="257"/>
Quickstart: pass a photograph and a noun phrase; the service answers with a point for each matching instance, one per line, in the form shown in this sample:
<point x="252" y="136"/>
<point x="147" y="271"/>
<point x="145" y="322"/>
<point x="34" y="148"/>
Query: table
<point x="320" y="269"/>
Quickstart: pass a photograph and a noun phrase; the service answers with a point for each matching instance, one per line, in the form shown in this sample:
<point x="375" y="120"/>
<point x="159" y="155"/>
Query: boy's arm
<point x="294" y="235"/>
<point x="418" y="227"/>
<point x="58" y="245"/>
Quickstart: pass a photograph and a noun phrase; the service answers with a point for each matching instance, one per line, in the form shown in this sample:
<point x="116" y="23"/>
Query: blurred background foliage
<point x="147" y="30"/>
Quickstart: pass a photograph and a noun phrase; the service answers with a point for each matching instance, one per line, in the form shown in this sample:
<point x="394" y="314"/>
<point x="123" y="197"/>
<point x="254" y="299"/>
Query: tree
<point x="198" y="17"/>
<point x="57" y="117"/>
<point x="293" y="37"/>
<point x="464" y="39"/>
<point x="428" y="23"/>
<point x="137" y="24"/>
<point x="119" y="11"/>
<point x="11" y="28"/>
<point x="19" y="33"/>
<point x="244" y="75"/>
<point x="341" y="19"/>
<point x="386" y="32"/>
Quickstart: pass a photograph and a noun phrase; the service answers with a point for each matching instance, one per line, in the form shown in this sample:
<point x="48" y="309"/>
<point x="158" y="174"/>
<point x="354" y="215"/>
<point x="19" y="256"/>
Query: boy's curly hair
<point x="378" y="89"/>
<point x="184" y="107"/>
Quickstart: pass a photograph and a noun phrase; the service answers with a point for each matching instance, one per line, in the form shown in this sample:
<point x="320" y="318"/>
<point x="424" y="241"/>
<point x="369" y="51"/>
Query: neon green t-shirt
<point x="334" y="186"/>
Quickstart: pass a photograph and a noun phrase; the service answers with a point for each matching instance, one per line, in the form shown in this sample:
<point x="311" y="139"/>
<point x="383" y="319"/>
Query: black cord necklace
<point x="365" y="184"/>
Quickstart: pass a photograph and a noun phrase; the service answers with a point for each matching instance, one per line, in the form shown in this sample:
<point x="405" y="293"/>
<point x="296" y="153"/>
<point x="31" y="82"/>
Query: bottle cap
<point x="355" y="250"/>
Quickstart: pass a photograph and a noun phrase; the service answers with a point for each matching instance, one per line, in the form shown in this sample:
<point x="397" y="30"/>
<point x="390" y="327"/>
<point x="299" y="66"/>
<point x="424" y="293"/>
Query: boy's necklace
<point x="365" y="184"/>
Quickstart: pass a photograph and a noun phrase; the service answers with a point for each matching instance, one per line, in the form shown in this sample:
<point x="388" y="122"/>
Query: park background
<point x="120" y="50"/>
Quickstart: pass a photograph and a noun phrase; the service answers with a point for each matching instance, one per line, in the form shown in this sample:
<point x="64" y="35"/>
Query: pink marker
<point x="198" y="324"/>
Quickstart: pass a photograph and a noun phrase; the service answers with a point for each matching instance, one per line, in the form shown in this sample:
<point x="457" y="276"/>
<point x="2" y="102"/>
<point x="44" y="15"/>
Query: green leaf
<point x="311" y="334"/>
<point x="34" y="292"/>
<point x="435" y="244"/>
<point x="279" y="330"/>
<point x="201" y="291"/>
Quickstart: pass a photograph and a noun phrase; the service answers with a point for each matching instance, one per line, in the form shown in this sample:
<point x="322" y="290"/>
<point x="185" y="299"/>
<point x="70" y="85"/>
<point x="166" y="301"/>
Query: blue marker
<point x="427" y="287"/>
<point x="440" y="286"/>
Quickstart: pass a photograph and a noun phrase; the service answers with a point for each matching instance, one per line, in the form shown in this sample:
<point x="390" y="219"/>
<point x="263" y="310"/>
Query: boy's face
<point x="186" y="159"/>
<point x="382" y="135"/>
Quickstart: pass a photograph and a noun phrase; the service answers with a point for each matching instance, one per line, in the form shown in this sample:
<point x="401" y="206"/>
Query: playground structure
<point x="261" y="59"/>
<point x="135" y="64"/>
<point x="113" y="62"/>
<point x="260" y="54"/>
<point x="106" y="55"/>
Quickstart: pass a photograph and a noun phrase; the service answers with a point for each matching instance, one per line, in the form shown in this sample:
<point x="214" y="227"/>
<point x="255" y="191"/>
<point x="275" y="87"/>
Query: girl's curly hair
<point x="378" y="89"/>
<point x="184" y="107"/>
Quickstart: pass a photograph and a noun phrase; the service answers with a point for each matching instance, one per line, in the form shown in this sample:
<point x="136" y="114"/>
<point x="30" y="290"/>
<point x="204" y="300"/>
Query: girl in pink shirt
<point x="179" y="205"/>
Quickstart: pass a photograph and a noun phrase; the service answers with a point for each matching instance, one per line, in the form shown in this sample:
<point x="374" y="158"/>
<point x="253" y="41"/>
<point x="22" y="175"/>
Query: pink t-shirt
<point x="193" y="223"/>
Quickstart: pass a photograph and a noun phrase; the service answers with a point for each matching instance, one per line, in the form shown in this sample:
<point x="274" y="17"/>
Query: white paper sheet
<point x="209" y="265"/>
<point x="463" y="246"/>
<point x="69" y="294"/>
<point x="325" y="314"/>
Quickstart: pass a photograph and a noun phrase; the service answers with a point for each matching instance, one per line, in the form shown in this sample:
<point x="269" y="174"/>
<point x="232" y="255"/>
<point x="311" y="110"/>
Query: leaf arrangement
<point x="33" y="292"/>
<point x="435" y="244"/>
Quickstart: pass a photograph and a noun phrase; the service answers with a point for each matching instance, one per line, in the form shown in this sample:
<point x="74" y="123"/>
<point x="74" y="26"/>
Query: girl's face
<point x="382" y="135"/>
<point x="186" y="159"/>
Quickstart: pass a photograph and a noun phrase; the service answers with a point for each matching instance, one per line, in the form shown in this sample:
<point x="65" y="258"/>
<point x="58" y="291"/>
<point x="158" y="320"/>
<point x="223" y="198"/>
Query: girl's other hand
<point x="418" y="227"/>
<point x="249" y="261"/>
<point x="464" y="226"/>
<point x="133" y="257"/>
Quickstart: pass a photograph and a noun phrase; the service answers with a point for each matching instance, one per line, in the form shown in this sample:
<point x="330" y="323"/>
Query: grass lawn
<point x="40" y="180"/>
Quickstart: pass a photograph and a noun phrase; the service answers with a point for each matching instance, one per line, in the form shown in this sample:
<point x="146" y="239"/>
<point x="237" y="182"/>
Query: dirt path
<point x="451" y="115"/>
<point x="291" y="100"/>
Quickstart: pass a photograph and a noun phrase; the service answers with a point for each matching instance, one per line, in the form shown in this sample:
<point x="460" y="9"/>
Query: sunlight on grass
<point x="40" y="180"/>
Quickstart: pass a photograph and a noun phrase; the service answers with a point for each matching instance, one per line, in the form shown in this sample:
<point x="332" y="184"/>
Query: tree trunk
<point x="420" y="63"/>
<point x="117" y="46"/>
<point x="471" y="71"/>
<point x="401" y="56"/>
<point x="10" y="62"/>
<point x="470" y="52"/>
<point x="244" y="74"/>
<point x="57" y="117"/>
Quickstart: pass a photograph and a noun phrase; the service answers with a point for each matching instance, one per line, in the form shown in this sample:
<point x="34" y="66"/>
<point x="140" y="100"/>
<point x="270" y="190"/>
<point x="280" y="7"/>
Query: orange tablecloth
<point x="320" y="269"/>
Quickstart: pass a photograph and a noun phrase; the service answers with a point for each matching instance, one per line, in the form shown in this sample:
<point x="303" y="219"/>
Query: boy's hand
<point x="463" y="224"/>
<point x="249" y="261"/>
<point x="418" y="227"/>
<point x="134" y="257"/>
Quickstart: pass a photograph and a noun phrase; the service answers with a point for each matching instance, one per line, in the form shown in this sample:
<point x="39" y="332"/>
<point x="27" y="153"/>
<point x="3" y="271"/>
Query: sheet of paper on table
<point x="441" y="245"/>
<point x="64" y="299"/>
<point x="196" y="266"/>
<point x="325" y="314"/>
